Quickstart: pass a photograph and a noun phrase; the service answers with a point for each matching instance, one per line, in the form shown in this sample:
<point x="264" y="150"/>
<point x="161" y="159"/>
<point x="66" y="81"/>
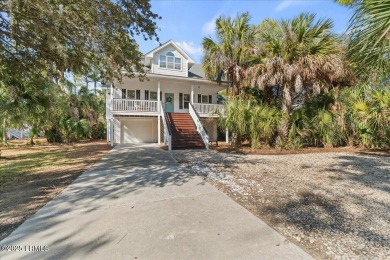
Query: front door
<point x="169" y="98"/>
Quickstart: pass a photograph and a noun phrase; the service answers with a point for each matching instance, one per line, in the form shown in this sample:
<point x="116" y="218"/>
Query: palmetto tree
<point x="370" y="35"/>
<point x="301" y="55"/>
<point x="231" y="52"/>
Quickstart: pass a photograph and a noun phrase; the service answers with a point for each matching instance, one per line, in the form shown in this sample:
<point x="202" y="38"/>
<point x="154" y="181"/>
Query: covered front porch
<point x="147" y="107"/>
<point x="133" y="97"/>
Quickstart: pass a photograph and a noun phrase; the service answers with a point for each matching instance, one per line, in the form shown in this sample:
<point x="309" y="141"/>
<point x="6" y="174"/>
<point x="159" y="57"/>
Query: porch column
<point x="112" y="96"/>
<point x="112" y="131"/>
<point x="158" y="95"/>
<point x="192" y="94"/>
<point x="227" y="135"/>
<point x="159" y="113"/>
<point x="108" y="128"/>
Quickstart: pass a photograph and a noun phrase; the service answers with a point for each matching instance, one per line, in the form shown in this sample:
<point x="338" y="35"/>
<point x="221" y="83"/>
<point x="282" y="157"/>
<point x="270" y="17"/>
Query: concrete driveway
<point x="138" y="203"/>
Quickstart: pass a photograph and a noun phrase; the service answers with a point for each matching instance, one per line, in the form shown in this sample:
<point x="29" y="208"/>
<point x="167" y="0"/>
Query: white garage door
<point x="139" y="131"/>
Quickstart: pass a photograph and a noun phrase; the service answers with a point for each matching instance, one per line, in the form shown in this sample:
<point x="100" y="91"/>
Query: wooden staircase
<point x="184" y="132"/>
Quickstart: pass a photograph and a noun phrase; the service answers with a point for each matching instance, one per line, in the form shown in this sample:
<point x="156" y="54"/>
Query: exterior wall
<point x="205" y="90"/>
<point x="117" y="93"/>
<point x="211" y="125"/>
<point x="168" y="86"/>
<point x="155" y="67"/>
<point x="117" y="130"/>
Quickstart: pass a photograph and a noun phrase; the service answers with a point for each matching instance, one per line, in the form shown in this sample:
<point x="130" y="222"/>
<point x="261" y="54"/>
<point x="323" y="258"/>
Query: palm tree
<point x="230" y="54"/>
<point x="300" y="55"/>
<point x="370" y="35"/>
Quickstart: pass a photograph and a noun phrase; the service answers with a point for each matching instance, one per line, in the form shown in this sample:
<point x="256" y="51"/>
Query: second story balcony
<point x="149" y="107"/>
<point x="135" y="106"/>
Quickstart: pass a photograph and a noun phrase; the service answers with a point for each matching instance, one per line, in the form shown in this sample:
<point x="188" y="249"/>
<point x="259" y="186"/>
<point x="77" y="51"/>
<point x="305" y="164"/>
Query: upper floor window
<point x="170" y="61"/>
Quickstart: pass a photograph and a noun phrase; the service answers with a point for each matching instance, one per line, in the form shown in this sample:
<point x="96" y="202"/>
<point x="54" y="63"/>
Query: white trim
<point x="112" y="131"/>
<point x="179" y="78"/>
<point x="182" y="52"/>
<point x="159" y="112"/>
<point x="199" y="126"/>
<point x="153" y="75"/>
<point x="192" y="94"/>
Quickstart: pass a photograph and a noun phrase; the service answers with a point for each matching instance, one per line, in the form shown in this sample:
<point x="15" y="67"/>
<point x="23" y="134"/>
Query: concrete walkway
<point x="138" y="203"/>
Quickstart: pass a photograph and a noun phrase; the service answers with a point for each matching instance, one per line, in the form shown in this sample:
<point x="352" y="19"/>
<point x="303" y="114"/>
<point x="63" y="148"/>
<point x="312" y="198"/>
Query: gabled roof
<point x="149" y="55"/>
<point x="196" y="71"/>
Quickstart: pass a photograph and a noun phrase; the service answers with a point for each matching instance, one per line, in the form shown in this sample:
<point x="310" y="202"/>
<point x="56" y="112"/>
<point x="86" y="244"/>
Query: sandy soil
<point x="51" y="168"/>
<point x="334" y="205"/>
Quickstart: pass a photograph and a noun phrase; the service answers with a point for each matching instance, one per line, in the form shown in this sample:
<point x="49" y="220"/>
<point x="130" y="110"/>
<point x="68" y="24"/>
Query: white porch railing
<point x="208" y="109"/>
<point x="167" y="129"/>
<point x="201" y="130"/>
<point x="135" y="105"/>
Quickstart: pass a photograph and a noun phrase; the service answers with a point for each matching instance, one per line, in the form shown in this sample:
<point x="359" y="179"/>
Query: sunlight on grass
<point x="20" y="163"/>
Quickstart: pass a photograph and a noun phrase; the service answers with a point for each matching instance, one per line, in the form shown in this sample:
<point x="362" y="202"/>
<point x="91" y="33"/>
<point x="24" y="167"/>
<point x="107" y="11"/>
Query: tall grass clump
<point x="250" y="120"/>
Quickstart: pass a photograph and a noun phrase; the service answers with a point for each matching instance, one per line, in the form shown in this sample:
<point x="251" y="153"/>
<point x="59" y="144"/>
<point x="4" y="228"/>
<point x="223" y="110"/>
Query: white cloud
<point x="288" y="3"/>
<point x="190" y="48"/>
<point x="209" y="27"/>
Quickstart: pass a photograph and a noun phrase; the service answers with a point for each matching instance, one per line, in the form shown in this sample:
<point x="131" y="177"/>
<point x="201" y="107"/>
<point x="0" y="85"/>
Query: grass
<point x="20" y="162"/>
<point x="30" y="176"/>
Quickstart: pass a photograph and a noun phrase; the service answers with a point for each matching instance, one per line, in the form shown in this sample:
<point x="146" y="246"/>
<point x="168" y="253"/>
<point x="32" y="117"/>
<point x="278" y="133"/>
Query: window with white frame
<point x="205" y="99"/>
<point x="169" y="61"/>
<point x="153" y="95"/>
<point x="184" y="101"/>
<point x="131" y="94"/>
<point x="187" y="99"/>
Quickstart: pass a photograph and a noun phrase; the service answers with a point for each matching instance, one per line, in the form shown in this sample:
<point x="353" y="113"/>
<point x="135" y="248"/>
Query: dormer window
<point x="169" y="61"/>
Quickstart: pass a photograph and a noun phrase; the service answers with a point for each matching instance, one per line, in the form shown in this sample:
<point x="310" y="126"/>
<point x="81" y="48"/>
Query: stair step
<point x="184" y="132"/>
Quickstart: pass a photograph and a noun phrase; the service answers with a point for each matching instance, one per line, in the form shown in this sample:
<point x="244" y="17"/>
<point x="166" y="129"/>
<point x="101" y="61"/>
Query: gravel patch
<point x="333" y="205"/>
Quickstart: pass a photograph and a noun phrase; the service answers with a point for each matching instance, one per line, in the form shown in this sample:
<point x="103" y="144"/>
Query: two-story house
<point x="175" y="105"/>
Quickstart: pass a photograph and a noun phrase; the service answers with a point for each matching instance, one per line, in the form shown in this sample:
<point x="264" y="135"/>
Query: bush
<point x="249" y="120"/>
<point x="359" y="115"/>
<point x="99" y="130"/>
<point x="53" y="135"/>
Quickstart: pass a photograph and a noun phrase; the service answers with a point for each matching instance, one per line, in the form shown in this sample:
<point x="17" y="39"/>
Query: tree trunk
<point x="4" y="131"/>
<point x="32" y="134"/>
<point x="286" y="118"/>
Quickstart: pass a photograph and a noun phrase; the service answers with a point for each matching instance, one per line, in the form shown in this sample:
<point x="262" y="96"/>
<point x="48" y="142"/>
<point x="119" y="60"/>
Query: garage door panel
<point x="138" y="131"/>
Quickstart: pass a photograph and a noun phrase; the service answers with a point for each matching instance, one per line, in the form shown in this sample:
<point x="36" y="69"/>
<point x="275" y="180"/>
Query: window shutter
<point x="199" y="98"/>
<point x="146" y="94"/>
<point x="160" y="95"/>
<point x="210" y="99"/>
<point x="123" y="93"/>
<point x="180" y="100"/>
<point x="138" y="94"/>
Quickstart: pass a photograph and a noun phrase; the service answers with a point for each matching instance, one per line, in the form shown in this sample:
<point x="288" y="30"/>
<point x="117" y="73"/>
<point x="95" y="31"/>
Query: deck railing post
<point x="192" y="94"/>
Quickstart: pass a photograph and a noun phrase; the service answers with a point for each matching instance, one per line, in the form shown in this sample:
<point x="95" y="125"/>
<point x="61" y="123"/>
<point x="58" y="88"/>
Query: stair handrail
<point x="199" y="126"/>
<point x="167" y="129"/>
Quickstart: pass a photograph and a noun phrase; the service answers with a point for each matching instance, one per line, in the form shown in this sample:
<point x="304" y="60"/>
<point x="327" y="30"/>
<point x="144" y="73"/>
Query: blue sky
<point x="188" y="21"/>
